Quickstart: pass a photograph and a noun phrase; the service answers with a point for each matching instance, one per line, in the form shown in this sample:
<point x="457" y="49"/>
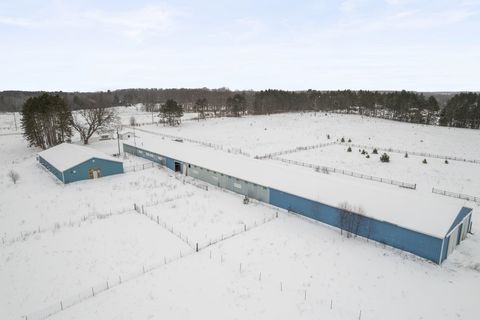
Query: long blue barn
<point x="70" y="163"/>
<point x="428" y="227"/>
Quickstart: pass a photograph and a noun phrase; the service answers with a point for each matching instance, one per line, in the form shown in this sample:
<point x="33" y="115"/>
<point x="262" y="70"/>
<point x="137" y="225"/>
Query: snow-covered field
<point x="58" y="240"/>
<point x="457" y="176"/>
<point x="141" y="117"/>
<point x="264" y="134"/>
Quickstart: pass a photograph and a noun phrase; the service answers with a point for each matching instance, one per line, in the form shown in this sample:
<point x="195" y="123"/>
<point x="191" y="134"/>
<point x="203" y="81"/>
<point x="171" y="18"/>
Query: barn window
<point x="237" y="185"/>
<point x="74" y="171"/>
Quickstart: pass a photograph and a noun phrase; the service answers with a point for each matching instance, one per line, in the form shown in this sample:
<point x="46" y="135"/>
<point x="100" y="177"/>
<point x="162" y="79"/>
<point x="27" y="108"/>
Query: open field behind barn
<point x="59" y="240"/>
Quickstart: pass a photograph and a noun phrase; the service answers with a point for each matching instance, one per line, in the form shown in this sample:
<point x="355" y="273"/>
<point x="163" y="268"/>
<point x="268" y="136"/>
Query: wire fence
<point x="116" y="281"/>
<point x="354" y="145"/>
<point x="139" y="167"/>
<point x="203" y="143"/>
<point x="325" y="169"/>
<point x="193" y="182"/>
<point x="100" y="287"/>
<point x="24" y="235"/>
<point x="192" y="243"/>
<point x="456" y="195"/>
<point x="421" y="154"/>
<point x="301" y="292"/>
<point x="293" y="150"/>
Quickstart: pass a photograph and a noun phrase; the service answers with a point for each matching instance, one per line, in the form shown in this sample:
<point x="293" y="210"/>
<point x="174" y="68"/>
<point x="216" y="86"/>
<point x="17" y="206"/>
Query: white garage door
<point x="452" y="243"/>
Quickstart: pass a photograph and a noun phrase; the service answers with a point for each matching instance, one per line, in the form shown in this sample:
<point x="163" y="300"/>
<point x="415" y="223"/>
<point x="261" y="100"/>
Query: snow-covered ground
<point x="292" y="268"/>
<point x="60" y="263"/>
<point x="58" y="239"/>
<point x="142" y="117"/>
<point x="264" y="134"/>
<point x="456" y="176"/>
<point x="10" y="122"/>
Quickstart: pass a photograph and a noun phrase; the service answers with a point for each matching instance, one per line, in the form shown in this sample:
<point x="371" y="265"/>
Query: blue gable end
<point x="461" y="215"/>
<point x="417" y="243"/>
<point x="81" y="171"/>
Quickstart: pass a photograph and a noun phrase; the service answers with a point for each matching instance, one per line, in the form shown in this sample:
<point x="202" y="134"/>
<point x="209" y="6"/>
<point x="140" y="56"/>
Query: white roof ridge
<point x="416" y="210"/>
<point x="64" y="156"/>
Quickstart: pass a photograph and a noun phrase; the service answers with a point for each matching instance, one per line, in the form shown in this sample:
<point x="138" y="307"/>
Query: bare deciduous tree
<point x="349" y="220"/>
<point x="89" y="121"/>
<point x="14" y="176"/>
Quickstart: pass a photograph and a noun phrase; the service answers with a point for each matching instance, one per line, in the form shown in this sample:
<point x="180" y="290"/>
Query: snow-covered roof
<point x="66" y="155"/>
<point x="417" y="210"/>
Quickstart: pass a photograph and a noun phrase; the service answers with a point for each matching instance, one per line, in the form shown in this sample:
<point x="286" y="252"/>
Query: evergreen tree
<point x="200" y="106"/>
<point x="46" y="121"/>
<point x="171" y="112"/>
<point x="236" y="105"/>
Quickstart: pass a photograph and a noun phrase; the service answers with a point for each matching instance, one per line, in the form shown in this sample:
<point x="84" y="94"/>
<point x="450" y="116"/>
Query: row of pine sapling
<point x="384" y="157"/>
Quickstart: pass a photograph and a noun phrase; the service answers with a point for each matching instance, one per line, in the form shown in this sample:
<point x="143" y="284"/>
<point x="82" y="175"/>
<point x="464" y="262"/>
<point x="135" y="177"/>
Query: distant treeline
<point x="460" y="110"/>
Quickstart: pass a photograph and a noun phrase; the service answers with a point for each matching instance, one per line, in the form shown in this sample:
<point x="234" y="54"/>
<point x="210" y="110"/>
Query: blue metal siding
<point x="170" y="163"/>
<point x="420" y="244"/>
<point x="80" y="171"/>
<point x="381" y="231"/>
<point x="51" y="168"/>
<point x="240" y="186"/>
<point x="152" y="156"/>
<point x="461" y="215"/>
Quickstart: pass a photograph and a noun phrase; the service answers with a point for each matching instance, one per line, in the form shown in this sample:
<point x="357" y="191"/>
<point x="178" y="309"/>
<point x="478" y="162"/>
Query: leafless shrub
<point x="14" y="176"/>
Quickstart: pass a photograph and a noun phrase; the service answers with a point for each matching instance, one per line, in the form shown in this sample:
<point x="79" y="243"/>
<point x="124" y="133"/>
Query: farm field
<point x="259" y="135"/>
<point x="456" y="176"/>
<point x="55" y="265"/>
<point x="58" y="240"/>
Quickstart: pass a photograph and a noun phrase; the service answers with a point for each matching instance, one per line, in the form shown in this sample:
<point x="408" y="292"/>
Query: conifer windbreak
<point x="462" y="110"/>
<point x="46" y="121"/>
<point x="171" y="112"/>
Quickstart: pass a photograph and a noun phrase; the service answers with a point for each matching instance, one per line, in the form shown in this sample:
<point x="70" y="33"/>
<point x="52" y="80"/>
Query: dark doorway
<point x="178" y="167"/>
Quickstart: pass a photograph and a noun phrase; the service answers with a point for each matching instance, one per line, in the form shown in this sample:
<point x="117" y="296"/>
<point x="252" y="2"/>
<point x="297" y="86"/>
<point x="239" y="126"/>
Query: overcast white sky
<point x="354" y="44"/>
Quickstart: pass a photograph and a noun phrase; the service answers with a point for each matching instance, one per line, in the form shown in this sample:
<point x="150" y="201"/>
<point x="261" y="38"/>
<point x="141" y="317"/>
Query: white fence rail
<point x="456" y="195"/>
<point x="421" y="154"/>
<point x="325" y="169"/>
<point x="99" y="288"/>
<point x="293" y="150"/>
<point x="203" y="143"/>
<point x="361" y="146"/>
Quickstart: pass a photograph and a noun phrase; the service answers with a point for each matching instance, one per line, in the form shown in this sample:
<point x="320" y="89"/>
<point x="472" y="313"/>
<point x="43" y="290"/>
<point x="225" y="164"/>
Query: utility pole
<point x="134" y="138"/>
<point x="118" y="141"/>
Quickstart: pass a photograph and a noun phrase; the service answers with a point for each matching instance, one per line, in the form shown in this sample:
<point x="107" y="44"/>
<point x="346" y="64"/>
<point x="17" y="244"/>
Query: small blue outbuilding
<point x="69" y="163"/>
